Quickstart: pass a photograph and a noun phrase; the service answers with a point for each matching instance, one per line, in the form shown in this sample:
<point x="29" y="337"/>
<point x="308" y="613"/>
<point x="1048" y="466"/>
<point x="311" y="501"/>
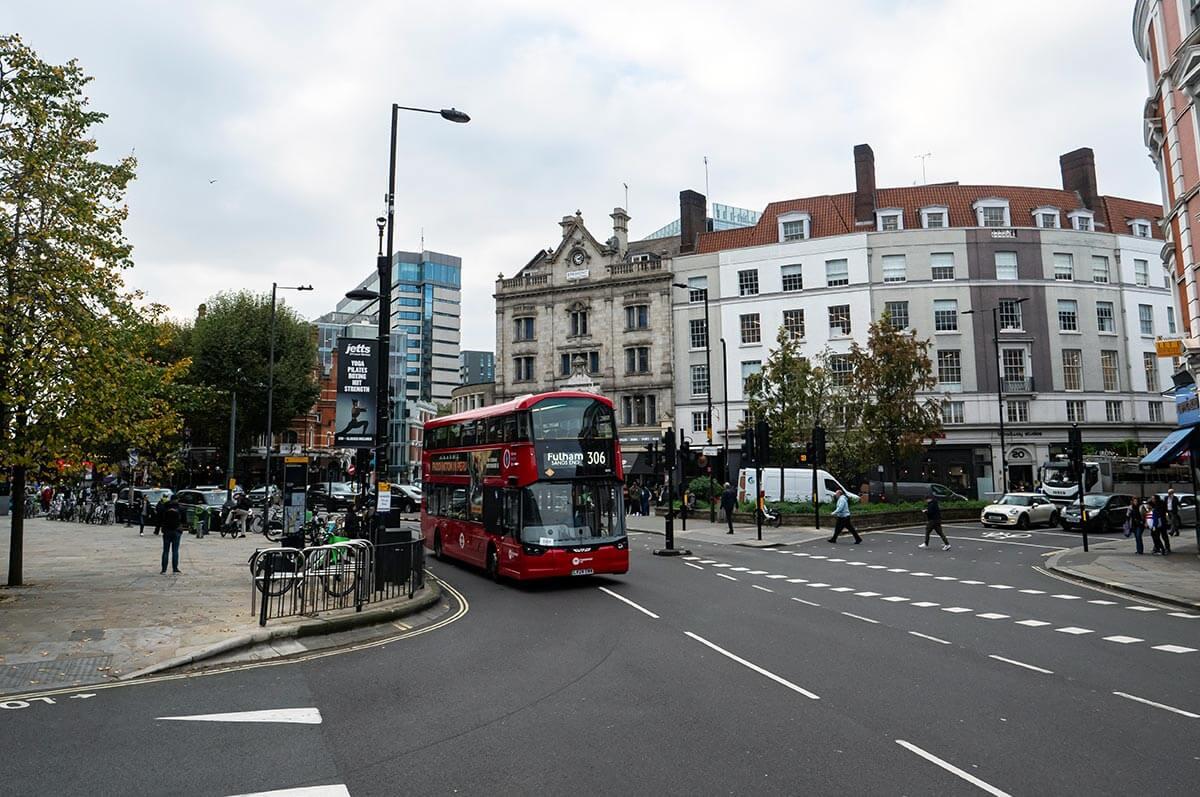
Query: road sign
<point x="1172" y="347"/>
<point x="384" y="501"/>
<point x="133" y="457"/>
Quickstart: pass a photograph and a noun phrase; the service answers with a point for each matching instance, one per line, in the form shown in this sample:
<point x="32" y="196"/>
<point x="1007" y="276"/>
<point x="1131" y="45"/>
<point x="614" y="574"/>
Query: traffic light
<point x="652" y="454"/>
<point x="1075" y="441"/>
<point x="748" y="451"/>
<point x="807" y="458"/>
<point x="818" y="444"/>
<point x="668" y="448"/>
<point x="685" y="449"/>
<point x="762" y="439"/>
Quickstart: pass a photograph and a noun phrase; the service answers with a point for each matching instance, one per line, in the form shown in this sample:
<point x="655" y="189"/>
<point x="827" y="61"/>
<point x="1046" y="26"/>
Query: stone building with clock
<point x="599" y="312"/>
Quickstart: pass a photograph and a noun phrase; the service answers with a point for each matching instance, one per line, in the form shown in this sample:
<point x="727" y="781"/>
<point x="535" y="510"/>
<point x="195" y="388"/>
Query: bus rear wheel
<point x="493" y="564"/>
<point x="437" y="547"/>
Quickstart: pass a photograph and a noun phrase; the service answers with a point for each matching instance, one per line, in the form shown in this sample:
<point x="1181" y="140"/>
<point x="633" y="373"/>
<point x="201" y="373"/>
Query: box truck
<point x="797" y="485"/>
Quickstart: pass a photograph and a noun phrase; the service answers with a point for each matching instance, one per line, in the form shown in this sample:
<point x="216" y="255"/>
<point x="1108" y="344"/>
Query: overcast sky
<point x="285" y="106"/>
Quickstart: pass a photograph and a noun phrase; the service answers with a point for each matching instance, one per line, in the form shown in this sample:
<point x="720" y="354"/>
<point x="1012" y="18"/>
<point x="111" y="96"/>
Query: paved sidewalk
<point x="701" y="530"/>
<point x="94" y="607"/>
<point x="1113" y="563"/>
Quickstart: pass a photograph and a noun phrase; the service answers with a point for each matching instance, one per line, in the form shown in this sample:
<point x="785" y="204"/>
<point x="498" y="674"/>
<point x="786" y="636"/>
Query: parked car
<point x="1105" y="512"/>
<point x="200" y="501"/>
<point x="1022" y="510"/>
<point x="913" y="491"/>
<point x="258" y="496"/>
<point x="1187" y="507"/>
<point x="152" y="493"/>
<point x="406" y="497"/>
<point x="332" y="497"/>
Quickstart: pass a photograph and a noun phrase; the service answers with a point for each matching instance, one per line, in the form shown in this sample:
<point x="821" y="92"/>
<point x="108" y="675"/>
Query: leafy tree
<point x="77" y="373"/>
<point x="889" y="375"/>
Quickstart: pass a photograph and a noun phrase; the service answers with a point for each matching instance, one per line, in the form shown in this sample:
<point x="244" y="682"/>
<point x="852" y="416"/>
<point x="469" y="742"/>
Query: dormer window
<point x="794" y="227"/>
<point x="992" y="212"/>
<point x="1081" y="220"/>
<point x="935" y="217"/>
<point x="1047" y="218"/>
<point x="1140" y="227"/>
<point x="889" y="219"/>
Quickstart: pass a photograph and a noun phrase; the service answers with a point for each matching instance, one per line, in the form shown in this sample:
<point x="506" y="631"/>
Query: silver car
<point x="1187" y="507"/>
<point x="1021" y="510"/>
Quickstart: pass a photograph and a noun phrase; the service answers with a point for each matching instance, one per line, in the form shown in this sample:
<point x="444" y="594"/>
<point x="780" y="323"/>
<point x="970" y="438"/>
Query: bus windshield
<point x="572" y="513"/>
<point x="572" y="419"/>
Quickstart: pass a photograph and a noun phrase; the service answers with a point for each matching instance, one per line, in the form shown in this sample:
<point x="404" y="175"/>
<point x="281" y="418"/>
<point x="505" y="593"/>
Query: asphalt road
<point x="879" y="668"/>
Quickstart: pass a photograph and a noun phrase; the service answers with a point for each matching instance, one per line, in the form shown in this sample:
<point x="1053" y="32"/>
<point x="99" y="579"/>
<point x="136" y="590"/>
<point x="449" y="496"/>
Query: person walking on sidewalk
<point x="933" y="522"/>
<point x="1173" y="511"/>
<point x="645" y="496"/>
<point x="1158" y="529"/>
<point x="728" y="504"/>
<point x="1135" y="524"/>
<point x="143" y="510"/>
<point x="841" y="518"/>
<point x="171" y="516"/>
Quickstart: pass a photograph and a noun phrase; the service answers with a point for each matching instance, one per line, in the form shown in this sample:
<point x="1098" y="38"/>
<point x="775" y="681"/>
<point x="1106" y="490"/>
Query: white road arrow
<point x="332" y="790"/>
<point x="299" y="716"/>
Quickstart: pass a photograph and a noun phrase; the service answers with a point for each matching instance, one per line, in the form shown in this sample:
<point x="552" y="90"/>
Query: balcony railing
<point x="621" y="269"/>
<point x="1018" y="385"/>
<point x="528" y="281"/>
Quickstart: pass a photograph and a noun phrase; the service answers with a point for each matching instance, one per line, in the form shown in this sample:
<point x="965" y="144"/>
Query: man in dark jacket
<point x="728" y="504"/>
<point x="170" y="515"/>
<point x="933" y="522"/>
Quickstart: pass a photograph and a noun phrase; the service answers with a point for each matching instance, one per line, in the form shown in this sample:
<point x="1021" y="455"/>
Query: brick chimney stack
<point x="1079" y="175"/>
<point x="692" y="219"/>
<point x="864" y="184"/>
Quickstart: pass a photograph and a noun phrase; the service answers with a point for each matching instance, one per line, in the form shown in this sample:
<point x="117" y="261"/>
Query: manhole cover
<point x="87" y="634"/>
<point x="53" y="672"/>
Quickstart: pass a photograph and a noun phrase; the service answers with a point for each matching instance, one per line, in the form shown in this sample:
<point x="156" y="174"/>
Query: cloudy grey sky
<point x="285" y="105"/>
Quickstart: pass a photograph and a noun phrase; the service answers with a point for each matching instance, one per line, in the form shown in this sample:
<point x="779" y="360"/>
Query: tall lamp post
<point x="725" y="393"/>
<point x="708" y="425"/>
<point x="999" y="386"/>
<point x="275" y="287"/>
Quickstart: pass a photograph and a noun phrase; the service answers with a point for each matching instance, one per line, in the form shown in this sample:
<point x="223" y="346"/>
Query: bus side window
<point x="522" y="427"/>
<point x="468" y="433"/>
<point x="510" y="519"/>
<point x="510" y="429"/>
<point x="495" y="431"/>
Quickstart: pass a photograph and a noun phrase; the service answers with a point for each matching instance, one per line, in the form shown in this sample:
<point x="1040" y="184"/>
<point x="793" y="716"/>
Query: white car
<point x="1021" y="510"/>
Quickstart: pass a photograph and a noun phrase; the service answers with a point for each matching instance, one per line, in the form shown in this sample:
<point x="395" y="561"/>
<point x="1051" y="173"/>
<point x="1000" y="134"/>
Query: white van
<point x="797" y="485"/>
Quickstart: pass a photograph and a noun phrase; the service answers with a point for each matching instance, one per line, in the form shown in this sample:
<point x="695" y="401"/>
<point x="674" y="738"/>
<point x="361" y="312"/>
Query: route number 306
<point x="596" y="458"/>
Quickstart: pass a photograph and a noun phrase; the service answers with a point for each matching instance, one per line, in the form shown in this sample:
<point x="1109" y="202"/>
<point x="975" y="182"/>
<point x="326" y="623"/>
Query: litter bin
<point x="393" y="557"/>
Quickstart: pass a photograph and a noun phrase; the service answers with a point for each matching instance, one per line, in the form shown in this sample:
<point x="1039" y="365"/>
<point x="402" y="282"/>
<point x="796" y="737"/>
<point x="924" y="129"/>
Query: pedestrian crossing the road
<point x="1069" y="630"/>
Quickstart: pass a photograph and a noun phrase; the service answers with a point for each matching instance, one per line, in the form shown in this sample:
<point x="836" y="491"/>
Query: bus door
<point x="502" y="523"/>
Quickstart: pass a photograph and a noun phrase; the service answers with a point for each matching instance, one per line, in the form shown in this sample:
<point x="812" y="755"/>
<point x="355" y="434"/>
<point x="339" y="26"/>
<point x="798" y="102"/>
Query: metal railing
<point x="1018" y="385"/>
<point x="323" y="578"/>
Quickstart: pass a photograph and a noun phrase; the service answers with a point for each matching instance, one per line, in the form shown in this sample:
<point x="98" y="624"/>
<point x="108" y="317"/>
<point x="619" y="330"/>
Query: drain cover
<point x="53" y="672"/>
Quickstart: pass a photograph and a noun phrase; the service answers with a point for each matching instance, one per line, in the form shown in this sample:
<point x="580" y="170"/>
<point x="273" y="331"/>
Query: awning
<point x="1169" y="449"/>
<point x="640" y="467"/>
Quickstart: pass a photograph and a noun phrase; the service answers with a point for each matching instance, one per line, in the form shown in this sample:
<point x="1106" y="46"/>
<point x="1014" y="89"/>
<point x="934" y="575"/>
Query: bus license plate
<point x="583" y="571"/>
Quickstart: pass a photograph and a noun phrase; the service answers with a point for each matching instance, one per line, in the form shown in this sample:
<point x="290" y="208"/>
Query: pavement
<point x="94" y="607"/>
<point x="808" y="668"/>
<point x="1115" y="564"/>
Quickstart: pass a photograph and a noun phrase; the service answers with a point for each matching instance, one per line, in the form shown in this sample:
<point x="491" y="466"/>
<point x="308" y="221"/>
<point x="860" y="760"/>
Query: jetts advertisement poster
<point x="356" y="388"/>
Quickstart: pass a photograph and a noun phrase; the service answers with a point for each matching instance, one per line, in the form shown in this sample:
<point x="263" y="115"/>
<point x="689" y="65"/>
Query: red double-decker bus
<point x="527" y="489"/>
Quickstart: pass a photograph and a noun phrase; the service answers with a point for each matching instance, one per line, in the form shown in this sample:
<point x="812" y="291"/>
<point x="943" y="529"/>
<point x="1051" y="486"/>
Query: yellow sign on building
<point x="1169" y="348"/>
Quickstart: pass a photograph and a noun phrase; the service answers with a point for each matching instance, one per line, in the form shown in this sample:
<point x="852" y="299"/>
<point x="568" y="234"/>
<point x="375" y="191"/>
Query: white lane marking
<point x="1103" y="603"/>
<point x="818" y="556"/>
<point x="894" y="599"/>
<point x="930" y="638"/>
<point x="1123" y="640"/>
<point x="691" y="558"/>
<point x="1067" y="597"/>
<point x="722" y="564"/>
<point x="1157" y="705"/>
<point x="689" y="564"/>
<point x="1185" y="615"/>
<point x="971" y="582"/>
<point x="740" y="569"/>
<point x="1032" y="623"/>
<point x="877" y="567"/>
<point x="708" y="561"/>
<point x="625" y="600"/>
<point x="920" y="574"/>
<point x="332" y="790"/>
<point x="806" y="603"/>
<point x="924" y="604"/>
<point x="1021" y="664"/>
<point x="724" y="575"/>
<point x="296" y="716"/>
<point x="797" y="581"/>
<point x="1174" y="649"/>
<point x="868" y="594"/>
<point x="764" y="589"/>
<point x="897" y="570"/>
<point x="945" y="578"/>
<point x="955" y="609"/>
<point x="837" y="560"/>
<point x="859" y="617"/>
<point x="801" y="553"/>
<point x="1033" y="591"/>
<point x="992" y="616"/>
<point x="758" y="572"/>
<point x="967" y="776"/>
<point x="841" y="589"/>
<point x="776" y="576"/>
<point x="1073" y="630"/>
<point x="755" y="667"/>
<point x="856" y="564"/>
<point x="1141" y="608"/>
<point x="977" y="539"/>
<point x="818" y="584"/>
<point x="999" y="586"/>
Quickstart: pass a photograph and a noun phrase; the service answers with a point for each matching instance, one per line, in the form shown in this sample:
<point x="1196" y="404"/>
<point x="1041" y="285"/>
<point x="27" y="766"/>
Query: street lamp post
<point x="384" y="267"/>
<point x="725" y="394"/>
<point x="708" y="425"/>
<point x="271" y="378"/>
<point x="999" y="387"/>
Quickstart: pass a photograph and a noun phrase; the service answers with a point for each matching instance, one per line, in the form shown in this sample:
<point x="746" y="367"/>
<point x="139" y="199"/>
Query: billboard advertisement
<point x="356" y="393"/>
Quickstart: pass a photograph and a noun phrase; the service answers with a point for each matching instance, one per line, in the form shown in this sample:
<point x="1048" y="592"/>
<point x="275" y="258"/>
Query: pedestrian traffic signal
<point x="762" y="440"/>
<point x="1075" y="441"/>
<point x="748" y="447"/>
<point x="668" y="448"/>
<point x="652" y="454"/>
<point x="819" y="444"/>
<point x="685" y="449"/>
